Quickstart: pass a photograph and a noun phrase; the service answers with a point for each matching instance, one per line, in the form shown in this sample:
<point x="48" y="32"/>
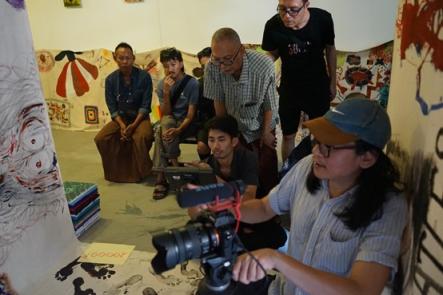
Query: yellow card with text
<point x="106" y="253"/>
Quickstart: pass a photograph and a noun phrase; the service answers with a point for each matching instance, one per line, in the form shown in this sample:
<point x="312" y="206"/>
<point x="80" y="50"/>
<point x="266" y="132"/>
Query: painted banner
<point x="35" y="225"/>
<point x="73" y="82"/>
<point x="416" y="110"/>
<point x="367" y="72"/>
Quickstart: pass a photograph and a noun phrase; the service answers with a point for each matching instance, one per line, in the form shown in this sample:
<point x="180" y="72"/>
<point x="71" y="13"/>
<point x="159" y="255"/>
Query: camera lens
<point x="182" y="244"/>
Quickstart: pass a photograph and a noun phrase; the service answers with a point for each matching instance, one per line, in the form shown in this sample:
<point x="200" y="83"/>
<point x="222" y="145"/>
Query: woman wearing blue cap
<point x="347" y="216"/>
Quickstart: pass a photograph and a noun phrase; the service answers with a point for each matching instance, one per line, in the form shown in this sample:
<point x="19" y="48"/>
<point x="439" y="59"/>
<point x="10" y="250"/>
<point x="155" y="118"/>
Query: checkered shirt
<point x="248" y="98"/>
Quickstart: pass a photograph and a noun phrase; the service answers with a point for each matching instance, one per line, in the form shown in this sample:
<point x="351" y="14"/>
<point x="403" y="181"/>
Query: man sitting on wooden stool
<point x="124" y="143"/>
<point x="178" y="95"/>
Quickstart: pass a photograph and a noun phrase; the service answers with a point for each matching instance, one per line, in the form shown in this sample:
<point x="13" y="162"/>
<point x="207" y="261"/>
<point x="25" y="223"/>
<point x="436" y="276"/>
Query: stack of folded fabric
<point x="84" y="205"/>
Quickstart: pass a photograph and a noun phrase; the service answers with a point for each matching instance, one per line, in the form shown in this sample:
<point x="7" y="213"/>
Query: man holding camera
<point x="230" y="161"/>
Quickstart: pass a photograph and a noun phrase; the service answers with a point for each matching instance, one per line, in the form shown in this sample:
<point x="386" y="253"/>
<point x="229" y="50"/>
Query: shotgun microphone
<point x="209" y="193"/>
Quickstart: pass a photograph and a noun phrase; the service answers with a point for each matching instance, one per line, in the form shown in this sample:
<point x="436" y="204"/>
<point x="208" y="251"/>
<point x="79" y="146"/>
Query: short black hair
<point x="124" y="45"/>
<point x="170" y="54"/>
<point x="226" y="124"/>
<point x="205" y="52"/>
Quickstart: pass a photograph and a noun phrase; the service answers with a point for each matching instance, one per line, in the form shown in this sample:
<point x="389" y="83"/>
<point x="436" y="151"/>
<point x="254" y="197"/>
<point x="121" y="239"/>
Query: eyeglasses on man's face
<point x="292" y="11"/>
<point x="325" y="149"/>
<point x="225" y="61"/>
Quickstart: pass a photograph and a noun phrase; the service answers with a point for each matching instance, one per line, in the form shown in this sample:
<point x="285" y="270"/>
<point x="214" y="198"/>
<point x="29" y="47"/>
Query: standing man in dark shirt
<point x="231" y="161"/>
<point x="303" y="38"/>
<point x="124" y="143"/>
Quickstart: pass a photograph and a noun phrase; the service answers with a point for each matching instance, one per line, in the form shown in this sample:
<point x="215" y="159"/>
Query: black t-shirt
<point x="244" y="166"/>
<point x="301" y="51"/>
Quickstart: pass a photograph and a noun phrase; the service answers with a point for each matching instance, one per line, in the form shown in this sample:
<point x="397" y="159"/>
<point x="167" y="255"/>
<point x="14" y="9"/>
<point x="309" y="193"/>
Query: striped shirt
<point x="248" y="98"/>
<point x="321" y="240"/>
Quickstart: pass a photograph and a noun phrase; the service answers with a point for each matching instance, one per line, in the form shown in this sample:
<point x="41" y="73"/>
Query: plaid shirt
<point x="248" y="98"/>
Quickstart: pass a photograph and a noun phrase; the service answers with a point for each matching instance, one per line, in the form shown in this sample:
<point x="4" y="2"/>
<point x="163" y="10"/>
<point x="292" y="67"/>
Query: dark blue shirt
<point x="128" y="100"/>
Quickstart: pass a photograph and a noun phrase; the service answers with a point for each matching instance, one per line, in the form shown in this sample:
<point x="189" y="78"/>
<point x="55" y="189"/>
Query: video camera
<point x="211" y="237"/>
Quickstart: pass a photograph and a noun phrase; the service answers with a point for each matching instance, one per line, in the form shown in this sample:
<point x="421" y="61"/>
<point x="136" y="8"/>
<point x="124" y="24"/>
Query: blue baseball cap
<point x="353" y="119"/>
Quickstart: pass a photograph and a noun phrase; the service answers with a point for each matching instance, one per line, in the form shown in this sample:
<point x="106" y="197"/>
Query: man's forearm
<point x="166" y="105"/>
<point x="267" y="121"/>
<point x="138" y="119"/>
<point x="331" y="60"/>
<point x="120" y="121"/>
<point x="220" y="109"/>
<point x="184" y="124"/>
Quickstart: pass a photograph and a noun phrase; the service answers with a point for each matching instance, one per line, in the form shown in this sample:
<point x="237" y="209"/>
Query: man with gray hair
<point x="242" y="84"/>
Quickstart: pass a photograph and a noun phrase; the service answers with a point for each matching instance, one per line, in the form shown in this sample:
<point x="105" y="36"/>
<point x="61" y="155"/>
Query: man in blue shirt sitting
<point x="124" y="143"/>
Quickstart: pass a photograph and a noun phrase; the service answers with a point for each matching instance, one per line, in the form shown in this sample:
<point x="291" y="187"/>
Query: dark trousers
<point x="125" y="161"/>
<point x="267" y="165"/>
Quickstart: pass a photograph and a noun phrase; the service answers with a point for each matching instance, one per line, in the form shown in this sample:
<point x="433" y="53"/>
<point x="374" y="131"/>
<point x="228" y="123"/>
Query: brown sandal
<point x="160" y="191"/>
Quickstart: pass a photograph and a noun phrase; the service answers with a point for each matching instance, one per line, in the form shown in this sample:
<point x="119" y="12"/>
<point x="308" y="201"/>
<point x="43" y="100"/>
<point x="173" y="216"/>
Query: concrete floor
<point x="129" y="215"/>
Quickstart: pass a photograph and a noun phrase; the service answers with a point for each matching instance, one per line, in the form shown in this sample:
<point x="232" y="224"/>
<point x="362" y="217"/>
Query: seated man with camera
<point x="231" y="162"/>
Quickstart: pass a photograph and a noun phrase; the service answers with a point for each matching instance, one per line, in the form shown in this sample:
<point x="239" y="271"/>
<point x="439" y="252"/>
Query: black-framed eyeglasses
<point x="326" y="149"/>
<point x="225" y="62"/>
<point x="292" y="11"/>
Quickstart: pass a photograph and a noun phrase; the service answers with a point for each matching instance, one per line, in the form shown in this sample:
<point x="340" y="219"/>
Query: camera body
<point x="211" y="237"/>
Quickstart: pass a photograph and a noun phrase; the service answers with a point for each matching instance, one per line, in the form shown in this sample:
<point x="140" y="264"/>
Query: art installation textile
<point x="33" y="209"/>
<point x="73" y="82"/>
<point x="367" y="72"/>
<point x="416" y="111"/>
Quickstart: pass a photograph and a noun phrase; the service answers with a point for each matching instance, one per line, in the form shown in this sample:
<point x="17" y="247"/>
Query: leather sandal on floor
<point x="160" y="191"/>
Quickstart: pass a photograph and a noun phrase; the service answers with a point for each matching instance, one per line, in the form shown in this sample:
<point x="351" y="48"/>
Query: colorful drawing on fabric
<point x="72" y="3"/>
<point x="17" y="3"/>
<point x="45" y="60"/>
<point x="419" y="177"/>
<point x="30" y="183"/>
<point x="104" y="57"/>
<point x="91" y="115"/>
<point x="75" y="76"/>
<point x="59" y="112"/>
<point x="367" y="72"/>
<point x="420" y="28"/>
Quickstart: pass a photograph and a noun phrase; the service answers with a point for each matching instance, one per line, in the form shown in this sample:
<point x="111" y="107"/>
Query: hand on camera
<point x="247" y="270"/>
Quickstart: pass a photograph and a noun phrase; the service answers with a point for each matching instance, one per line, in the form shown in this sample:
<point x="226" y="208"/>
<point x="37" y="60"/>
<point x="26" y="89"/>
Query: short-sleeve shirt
<point x="244" y="166"/>
<point x="189" y="96"/>
<point x="137" y="95"/>
<point x="248" y="98"/>
<point x="320" y="239"/>
<point x="302" y="50"/>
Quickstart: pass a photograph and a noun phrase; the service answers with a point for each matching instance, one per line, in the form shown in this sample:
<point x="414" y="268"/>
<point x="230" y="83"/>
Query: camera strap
<point x="178" y="91"/>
